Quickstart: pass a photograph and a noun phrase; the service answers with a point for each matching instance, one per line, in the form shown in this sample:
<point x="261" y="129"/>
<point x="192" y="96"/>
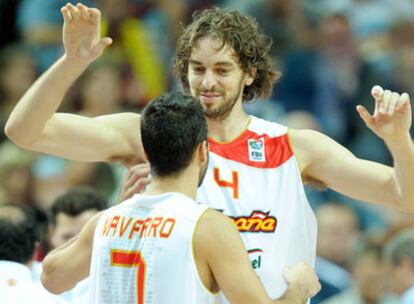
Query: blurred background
<point x="331" y="53"/>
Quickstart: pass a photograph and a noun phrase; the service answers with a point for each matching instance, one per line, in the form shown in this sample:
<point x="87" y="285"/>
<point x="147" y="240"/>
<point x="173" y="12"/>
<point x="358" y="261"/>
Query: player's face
<point x="215" y="77"/>
<point x="68" y="226"/>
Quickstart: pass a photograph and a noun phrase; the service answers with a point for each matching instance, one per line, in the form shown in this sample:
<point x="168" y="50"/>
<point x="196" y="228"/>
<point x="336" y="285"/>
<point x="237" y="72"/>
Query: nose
<point x="209" y="82"/>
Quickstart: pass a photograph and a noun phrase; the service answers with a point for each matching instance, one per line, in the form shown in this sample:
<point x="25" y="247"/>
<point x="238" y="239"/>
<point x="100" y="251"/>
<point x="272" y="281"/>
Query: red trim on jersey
<point x="129" y="259"/>
<point x="277" y="149"/>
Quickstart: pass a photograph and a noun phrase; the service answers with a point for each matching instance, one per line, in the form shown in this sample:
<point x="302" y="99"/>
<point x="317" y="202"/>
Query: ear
<point x="202" y="151"/>
<point x="51" y="230"/>
<point x="146" y="157"/>
<point x="250" y="76"/>
<point x="407" y="263"/>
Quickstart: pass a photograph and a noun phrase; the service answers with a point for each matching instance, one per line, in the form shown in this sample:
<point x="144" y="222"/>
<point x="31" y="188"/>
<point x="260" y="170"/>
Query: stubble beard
<point x="224" y="109"/>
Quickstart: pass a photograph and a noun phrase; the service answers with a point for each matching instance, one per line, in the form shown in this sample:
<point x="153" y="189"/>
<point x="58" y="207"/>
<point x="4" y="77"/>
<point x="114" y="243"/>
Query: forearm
<point x="63" y="246"/>
<point x="402" y="151"/>
<point x="53" y="278"/>
<point x="38" y="104"/>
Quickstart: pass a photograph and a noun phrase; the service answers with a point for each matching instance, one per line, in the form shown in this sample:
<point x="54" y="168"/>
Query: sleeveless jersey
<point x="143" y="252"/>
<point x="255" y="180"/>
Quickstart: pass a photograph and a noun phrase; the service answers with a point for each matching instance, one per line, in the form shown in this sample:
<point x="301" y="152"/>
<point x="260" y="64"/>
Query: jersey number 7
<point x="125" y="258"/>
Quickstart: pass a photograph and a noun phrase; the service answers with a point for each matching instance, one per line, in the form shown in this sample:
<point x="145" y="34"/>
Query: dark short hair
<point x="77" y="200"/>
<point x="18" y="234"/>
<point x="172" y="126"/>
<point x="237" y="31"/>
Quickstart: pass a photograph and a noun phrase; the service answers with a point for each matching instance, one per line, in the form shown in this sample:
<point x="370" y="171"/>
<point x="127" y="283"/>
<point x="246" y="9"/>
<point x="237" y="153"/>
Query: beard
<point x="224" y="109"/>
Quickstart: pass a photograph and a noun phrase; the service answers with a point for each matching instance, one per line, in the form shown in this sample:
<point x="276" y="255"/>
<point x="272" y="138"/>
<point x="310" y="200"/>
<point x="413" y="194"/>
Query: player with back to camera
<point x="162" y="247"/>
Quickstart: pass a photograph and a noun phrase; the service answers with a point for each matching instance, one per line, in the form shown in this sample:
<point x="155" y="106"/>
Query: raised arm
<point x="324" y="160"/>
<point x="223" y="264"/>
<point x="34" y="125"/>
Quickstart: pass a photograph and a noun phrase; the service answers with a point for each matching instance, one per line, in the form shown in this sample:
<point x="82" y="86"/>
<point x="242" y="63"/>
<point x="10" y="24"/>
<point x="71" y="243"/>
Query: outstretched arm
<point x="34" y="125"/>
<point x="222" y="263"/>
<point x="324" y="160"/>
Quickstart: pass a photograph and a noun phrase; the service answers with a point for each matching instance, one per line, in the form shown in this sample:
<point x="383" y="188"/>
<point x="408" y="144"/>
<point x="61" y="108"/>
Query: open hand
<point x="81" y="33"/>
<point x="392" y="115"/>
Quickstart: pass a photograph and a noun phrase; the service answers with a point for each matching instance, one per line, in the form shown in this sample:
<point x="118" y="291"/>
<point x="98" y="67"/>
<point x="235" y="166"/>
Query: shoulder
<point x="306" y="144"/>
<point x="306" y="138"/>
<point x="211" y="216"/>
<point x="87" y="232"/>
<point x="215" y="227"/>
<point x="262" y="126"/>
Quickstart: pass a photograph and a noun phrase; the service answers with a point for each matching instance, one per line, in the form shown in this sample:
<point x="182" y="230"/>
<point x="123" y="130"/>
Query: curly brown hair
<point x="239" y="32"/>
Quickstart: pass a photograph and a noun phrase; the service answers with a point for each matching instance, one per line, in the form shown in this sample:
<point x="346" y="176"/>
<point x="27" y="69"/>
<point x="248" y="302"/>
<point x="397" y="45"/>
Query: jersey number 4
<point x="124" y="258"/>
<point x="233" y="184"/>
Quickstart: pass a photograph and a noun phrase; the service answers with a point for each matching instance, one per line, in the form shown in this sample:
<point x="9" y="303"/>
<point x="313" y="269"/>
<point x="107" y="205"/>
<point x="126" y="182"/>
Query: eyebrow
<point x="220" y="63"/>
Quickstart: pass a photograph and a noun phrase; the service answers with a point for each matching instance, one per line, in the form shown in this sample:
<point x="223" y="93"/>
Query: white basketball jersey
<point x="143" y="253"/>
<point x="255" y="180"/>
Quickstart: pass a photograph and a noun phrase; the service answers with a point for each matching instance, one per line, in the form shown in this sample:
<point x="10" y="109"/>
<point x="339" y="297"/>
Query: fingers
<point x="66" y="14"/>
<point x="84" y="12"/>
<point x="315" y="291"/>
<point x="393" y="102"/>
<point x="80" y="12"/>
<point x="75" y="13"/>
<point x="377" y="92"/>
<point x="365" y="115"/>
<point x="387" y="102"/>
<point x="137" y="172"/>
<point x="136" y="181"/>
<point x="403" y="102"/>
<point x="95" y="14"/>
<point x="386" y="96"/>
<point x="139" y="186"/>
<point x="103" y="43"/>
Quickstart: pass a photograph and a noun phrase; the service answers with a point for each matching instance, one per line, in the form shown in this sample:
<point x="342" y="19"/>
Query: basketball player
<point x="257" y="168"/>
<point x="162" y="247"/>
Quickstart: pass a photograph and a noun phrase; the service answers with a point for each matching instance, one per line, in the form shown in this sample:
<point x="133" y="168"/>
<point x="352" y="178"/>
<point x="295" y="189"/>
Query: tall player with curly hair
<point x="257" y="168"/>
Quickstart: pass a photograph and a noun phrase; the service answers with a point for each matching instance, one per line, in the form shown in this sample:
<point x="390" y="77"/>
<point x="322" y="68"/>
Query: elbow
<point x="17" y="134"/>
<point x="49" y="284"/>
<point x="12" y="131"/>
<point x="49" y="278"/>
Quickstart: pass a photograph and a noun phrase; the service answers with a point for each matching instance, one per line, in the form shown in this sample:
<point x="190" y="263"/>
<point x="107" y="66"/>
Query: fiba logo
<point x="257" y="150"/>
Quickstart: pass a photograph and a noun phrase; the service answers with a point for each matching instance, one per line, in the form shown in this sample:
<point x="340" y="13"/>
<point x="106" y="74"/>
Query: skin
<point x="34" y="124"/>
<point x="222" y="266"/>
<point x="401" y="275"/>
<point x="67" y="226"/>
<point x="216" y="78"/>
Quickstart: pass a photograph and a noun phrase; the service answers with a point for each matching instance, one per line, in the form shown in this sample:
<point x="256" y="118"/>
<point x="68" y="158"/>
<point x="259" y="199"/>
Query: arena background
<point x="330" y="53"/>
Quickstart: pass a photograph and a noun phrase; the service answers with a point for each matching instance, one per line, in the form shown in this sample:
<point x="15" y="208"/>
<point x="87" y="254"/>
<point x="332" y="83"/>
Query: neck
<point x="185" y="182"/>
<point x="227" y="129"/>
